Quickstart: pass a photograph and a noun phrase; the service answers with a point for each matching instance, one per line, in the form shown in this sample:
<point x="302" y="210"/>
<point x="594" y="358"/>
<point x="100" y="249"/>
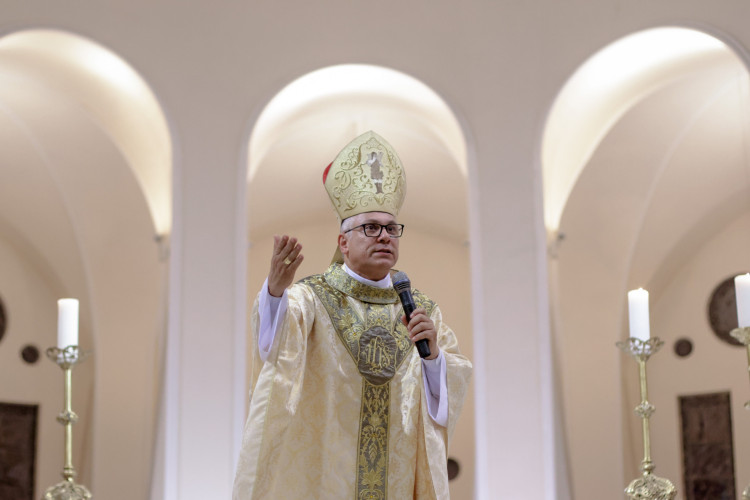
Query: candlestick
<point x="638" y="314"/>
<point x="67" y="323"/>
<point x="66" y="359"/>
<point x="648" y="486"/>
<point x="743" y="335"/>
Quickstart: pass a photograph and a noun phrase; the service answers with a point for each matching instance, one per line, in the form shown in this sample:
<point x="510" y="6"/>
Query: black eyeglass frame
<point x="380" y="231"/>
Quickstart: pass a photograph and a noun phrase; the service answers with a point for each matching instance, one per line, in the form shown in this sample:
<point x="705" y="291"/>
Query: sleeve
<point x="271" y="311"/>
<point x="285" y="330"/>
<point x="453" y="389"/>
<point x="434" y="377"/>
<point x="455" y="373"/>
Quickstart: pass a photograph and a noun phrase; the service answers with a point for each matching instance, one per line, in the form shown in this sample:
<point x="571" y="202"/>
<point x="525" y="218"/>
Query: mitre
<point x="366" y="176"/>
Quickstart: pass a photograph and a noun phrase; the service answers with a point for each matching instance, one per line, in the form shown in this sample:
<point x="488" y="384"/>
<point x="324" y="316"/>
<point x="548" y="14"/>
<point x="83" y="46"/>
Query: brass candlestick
<point x="742" y="334"/>
<point x="648" y="486"/>
<point x="67" y="489"/>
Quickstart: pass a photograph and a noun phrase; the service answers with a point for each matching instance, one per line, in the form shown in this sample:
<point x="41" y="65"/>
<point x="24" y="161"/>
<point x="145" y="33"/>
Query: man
<point x="344" y="408"/>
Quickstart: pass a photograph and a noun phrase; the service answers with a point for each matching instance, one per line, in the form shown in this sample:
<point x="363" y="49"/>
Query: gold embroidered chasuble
<point x="338" y="410"/>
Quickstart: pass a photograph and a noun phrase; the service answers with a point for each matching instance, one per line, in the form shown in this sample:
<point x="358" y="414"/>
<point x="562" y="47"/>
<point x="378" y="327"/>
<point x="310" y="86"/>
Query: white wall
<point x="680" y="309"/>
<point x="499" y="65"/>
<point x="29" y="293"/>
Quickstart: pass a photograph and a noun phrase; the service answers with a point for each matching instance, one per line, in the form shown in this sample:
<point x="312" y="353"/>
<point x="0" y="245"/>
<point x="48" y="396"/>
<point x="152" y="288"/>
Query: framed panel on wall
<point x="707" y="447"/>
<point x="18" y="429"/>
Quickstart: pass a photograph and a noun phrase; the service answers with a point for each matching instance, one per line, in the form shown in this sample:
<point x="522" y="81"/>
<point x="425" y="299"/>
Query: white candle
<point x="742" y="292"/>
<point x="638" y="309"/>
<point x="67" y="323"/>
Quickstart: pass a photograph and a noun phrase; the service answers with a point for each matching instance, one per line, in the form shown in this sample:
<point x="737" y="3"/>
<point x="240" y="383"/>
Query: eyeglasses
<point x="373" y="230"/>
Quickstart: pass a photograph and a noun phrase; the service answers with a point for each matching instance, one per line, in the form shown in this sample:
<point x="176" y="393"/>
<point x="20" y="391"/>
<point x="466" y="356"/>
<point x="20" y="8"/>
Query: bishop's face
<point x="371" y="257"/>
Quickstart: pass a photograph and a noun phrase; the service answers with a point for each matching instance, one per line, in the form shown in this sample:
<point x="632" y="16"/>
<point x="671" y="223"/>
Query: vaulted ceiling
<point x="305" y="126"/>
<point x="650" y="141"/>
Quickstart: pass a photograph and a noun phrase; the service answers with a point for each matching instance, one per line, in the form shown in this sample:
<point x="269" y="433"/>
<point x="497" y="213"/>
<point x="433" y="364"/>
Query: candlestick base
<point x="650" y="487"/>
<point x="67" y="490"/>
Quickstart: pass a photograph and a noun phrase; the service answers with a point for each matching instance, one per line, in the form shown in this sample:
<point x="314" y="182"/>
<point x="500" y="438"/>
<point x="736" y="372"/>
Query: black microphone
<point x="402" y="285"/>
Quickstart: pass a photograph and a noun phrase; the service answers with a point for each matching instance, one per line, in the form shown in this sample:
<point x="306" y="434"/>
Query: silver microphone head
<point x="401" y="282"/>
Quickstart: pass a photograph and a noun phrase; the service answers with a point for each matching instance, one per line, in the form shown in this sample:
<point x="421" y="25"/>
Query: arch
<point x="602" y="90"/>
<point x="330" y="105"/>
<point x="116" y="96"/>
<point x="301" y="130"/>
<point x="86" y="188"/>
<point x="634" y="187"/>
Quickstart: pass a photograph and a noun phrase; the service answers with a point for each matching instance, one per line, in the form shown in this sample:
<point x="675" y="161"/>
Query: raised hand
<point x="285" y="260"/>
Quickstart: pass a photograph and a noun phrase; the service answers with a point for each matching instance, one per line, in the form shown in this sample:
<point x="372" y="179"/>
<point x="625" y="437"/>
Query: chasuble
<point x="339" y="410"/>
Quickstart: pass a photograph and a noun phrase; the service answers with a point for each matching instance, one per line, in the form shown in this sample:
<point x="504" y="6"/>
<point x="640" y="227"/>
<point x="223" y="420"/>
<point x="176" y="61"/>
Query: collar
<point x="339" y="279"/>
<point x="384" y="283"/>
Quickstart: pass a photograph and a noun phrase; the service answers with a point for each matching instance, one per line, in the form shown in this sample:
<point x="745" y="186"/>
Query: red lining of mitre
<point x="325" y="172"/>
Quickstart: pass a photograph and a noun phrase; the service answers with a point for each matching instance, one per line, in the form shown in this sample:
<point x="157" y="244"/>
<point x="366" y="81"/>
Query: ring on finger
<point x="287" y="261"/>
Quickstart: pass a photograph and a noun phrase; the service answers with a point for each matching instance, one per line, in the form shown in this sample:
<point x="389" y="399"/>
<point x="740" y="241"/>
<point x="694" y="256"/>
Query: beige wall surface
<point x="29" y="294"/>
<point x="680" y="310"/>
<point x="213" y="66"/>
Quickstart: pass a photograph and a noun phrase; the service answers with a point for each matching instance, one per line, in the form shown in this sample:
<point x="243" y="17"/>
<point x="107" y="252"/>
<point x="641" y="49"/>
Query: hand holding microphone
<point x="421" y="323"/>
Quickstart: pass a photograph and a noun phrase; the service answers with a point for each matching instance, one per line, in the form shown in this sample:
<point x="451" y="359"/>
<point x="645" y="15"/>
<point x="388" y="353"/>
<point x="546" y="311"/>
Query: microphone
<point x="402" y="285"/>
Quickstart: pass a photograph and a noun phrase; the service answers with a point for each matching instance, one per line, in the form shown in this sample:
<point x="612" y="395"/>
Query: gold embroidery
<point x="372" y="463"/>
<point x="366" y="176"/>
<point x="338" y="279"/>
<point x="378" y="343"/>
<point x="358" y="186"/>
<point x="378" y="355"/>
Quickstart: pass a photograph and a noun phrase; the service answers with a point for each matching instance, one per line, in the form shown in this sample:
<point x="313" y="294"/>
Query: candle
<point x="67" y="323"/>
<point x="638" y="311"/>
<point x="742" y="292"/>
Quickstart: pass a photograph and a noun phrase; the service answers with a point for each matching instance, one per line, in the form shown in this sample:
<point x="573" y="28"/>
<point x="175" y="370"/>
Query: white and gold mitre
<point x="366" y="176"/>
